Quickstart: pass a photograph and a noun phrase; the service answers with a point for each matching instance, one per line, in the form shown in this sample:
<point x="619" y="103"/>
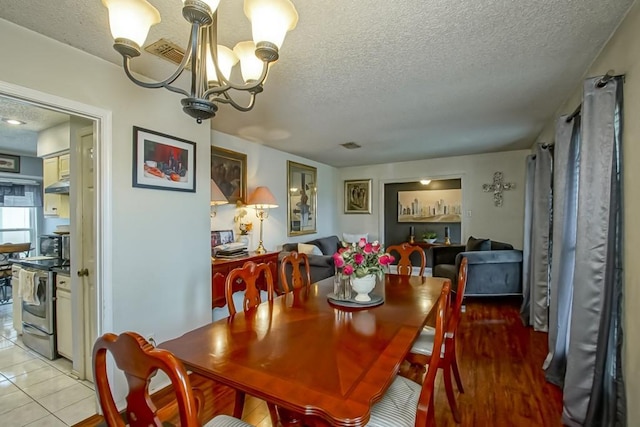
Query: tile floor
<point x="35" y="391"/>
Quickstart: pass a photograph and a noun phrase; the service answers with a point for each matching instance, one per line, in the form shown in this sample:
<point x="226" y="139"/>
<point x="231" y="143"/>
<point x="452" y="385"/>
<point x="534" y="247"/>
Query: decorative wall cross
<point x="498" y="187"/>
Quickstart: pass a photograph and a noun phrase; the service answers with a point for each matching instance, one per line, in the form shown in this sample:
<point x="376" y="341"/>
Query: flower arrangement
<point x="362" y="258"/>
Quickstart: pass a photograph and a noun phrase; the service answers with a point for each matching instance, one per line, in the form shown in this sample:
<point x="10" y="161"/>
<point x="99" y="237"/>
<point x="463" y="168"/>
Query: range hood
<point x="60" y="187"/>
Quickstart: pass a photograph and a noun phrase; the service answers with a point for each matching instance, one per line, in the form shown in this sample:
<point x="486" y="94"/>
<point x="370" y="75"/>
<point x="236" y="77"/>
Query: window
<point x="18" y="225"/>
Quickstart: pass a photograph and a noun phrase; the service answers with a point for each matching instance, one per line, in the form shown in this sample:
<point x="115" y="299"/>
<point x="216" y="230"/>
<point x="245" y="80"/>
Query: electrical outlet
<point x="469" y="214"/>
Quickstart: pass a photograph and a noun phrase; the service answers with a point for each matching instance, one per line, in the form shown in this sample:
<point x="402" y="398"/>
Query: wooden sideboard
<point x="220" y="267"/>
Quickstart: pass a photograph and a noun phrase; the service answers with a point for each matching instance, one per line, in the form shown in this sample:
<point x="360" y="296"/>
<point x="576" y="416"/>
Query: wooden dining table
<point x="308" y="356"/>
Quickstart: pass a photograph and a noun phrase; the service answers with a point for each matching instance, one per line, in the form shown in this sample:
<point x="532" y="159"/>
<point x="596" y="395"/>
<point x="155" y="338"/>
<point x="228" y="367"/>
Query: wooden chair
<point x="249" y="273"/>
<point x="405" y="267"/>
<point x="422" y="351"/>
<point x="294" y="261"/>
<point x="139" y="361"/>
<point x="407" y="403"/>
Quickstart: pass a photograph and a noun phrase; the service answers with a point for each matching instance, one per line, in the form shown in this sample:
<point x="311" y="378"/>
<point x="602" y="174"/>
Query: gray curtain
<point x="593" y="384"/>
<point x="565" y="215"/>
<point x="534" y="310"/>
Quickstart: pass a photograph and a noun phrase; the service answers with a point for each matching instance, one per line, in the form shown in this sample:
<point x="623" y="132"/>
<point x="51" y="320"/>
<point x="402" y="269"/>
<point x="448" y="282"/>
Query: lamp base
<point x="261" y="249"/>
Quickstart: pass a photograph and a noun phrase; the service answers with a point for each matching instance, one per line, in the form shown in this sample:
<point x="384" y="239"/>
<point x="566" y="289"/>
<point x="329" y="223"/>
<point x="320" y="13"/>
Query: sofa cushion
<point x="499" y="246"/>
<point x="446" y="270"/>
<point x="474" y="244"/>
<point x="328" y="245"/>
<point x="307" y="249"/>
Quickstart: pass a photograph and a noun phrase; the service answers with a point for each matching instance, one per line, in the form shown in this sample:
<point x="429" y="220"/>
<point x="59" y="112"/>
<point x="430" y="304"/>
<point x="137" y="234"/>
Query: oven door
<point x="41" y="315"/>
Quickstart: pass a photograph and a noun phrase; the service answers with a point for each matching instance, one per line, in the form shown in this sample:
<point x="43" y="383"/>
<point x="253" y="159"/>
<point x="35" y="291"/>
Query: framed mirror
<point x="301" y="199"/>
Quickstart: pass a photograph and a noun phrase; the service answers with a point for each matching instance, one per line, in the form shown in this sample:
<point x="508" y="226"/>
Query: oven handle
<point x="26" y="327"/>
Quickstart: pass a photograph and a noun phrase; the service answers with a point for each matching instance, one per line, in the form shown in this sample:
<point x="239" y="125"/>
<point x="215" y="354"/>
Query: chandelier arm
<point x="228" y="100"/>
<point x="247" y="87"/>
<point x="167" y="82"/>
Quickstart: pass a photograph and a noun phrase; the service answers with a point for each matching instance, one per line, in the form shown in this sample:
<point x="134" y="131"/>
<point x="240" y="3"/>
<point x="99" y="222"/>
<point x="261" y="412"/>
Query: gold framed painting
<point x="357" y="196"/>
<point x="302" y="209"/>
<point x="229" y="171"/>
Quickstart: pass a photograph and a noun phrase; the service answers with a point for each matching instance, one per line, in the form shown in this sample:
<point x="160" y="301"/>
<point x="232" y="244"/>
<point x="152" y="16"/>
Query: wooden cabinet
<point x="64" y="332"/>
<point x="221" y="267"/>
<point x="55" y="204"/>
<point x="63" y="166"/>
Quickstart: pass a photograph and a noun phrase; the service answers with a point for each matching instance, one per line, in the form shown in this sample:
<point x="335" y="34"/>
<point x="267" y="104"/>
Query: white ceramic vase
<point x="430" y="240"/>
<point x="362" y="286"/>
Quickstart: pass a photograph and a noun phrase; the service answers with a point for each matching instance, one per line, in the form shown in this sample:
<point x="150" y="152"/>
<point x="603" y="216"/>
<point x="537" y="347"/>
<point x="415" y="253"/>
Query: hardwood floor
<point x="500" y="363"/>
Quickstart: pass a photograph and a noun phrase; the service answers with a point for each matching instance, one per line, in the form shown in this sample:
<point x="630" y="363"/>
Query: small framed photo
<point x="163" y="162"/>
<point x="229" y="171"/>
<point x="221" y="237"/>
<point x="9" y="163"/>
<point x="357" y="196"/>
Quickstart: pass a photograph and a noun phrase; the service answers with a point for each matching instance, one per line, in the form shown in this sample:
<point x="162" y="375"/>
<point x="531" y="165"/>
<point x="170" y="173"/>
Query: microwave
<point x="51" y="245"/>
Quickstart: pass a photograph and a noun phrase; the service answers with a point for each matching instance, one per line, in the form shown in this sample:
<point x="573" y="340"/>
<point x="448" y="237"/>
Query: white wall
<point x="160" y="277"/>
<point x="621" y="55"/>
<point x="268" y="167"/>
<point x="503" y="224"/>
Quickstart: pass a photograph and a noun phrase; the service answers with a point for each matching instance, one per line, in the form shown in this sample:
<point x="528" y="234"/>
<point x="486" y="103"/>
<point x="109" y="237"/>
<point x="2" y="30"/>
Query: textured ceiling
<point x="406" y="80"/>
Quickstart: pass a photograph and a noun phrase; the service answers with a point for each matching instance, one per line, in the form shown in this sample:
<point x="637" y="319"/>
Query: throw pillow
<point x="304" y="248"/>
<point x="474" y="244"/>
<point x="351" y="238"/>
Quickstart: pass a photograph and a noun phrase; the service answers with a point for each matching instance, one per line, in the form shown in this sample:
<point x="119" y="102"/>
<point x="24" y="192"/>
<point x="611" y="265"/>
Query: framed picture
<point x="229" y="171"/>
<point x="9" y="163"/>
<point x="430" y="206"/>
<point x="301" y="199"/>
<point x="163" y="162"/>
<point x="357" y="196"/>
<point x="221" y="237"/>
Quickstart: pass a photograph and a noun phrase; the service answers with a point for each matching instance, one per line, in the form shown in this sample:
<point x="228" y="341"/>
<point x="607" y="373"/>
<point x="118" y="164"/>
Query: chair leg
<point x="239" y="404"/>
<point x="448" y="387"/>
<point x="273" y="414"/>
<point x="454" y="366"/>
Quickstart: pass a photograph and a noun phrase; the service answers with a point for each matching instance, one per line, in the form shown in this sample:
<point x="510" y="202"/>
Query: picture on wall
<point x="229" y="171"/>
<point x="301" y="201"/>
<point x="430" y="206"/>
<point x="9" y="163"/>
<point x="163" y="162"/>
<point x="357" y="196"/>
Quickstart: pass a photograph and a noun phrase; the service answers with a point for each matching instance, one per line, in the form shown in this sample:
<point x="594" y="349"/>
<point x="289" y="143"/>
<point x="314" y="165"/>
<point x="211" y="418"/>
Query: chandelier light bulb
<point x="250" y="64"/>
<point x="131" y="20"/>
<point x="226" y="60"/>
<point x="270" y="20"/>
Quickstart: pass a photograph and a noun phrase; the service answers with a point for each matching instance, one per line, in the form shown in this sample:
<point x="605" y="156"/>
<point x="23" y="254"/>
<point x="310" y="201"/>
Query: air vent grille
<point x="351" y="145"/>
<point x="165" y="49"/>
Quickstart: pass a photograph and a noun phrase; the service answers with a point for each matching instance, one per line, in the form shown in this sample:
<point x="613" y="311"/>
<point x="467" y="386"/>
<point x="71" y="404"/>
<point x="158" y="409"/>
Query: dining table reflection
<point x="309" y="356"/>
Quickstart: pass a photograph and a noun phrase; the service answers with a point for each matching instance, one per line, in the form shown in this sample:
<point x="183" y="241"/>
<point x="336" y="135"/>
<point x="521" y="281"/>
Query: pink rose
<point x="385" y="259"/>
<point x="362" y="242"/>
<point x="358" y="258"/>
<point x="348" y="270"/>
<point x="338" y="260"/>
<point x="368" y="248"/>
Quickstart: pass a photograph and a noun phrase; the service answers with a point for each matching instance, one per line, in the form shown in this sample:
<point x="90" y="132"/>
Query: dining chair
<point x="140" y="361"/>
<point x="405" y="250"/>
<point x="249" y="273"/>
<point x="293" y="263"/>
<point x="407" y="403"/>
<point x="422" y="351"/>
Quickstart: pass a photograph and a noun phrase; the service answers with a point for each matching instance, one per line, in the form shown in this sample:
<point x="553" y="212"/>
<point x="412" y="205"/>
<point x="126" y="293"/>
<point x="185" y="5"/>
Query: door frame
<point x="103" y="189"/>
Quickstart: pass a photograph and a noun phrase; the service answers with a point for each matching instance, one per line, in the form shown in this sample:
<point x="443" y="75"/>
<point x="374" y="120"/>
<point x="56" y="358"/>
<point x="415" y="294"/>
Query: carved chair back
<point x="295" y="262"/>
<point x="249" y="273"/>
<point x="405" y="250"/>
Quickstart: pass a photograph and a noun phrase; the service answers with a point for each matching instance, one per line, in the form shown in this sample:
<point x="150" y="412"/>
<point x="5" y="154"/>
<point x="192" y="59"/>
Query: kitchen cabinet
<point x="64" y="331"/>
<point x="63" y="166"/>
<point x="54" y="204"/>
<point x="220" y="268"/>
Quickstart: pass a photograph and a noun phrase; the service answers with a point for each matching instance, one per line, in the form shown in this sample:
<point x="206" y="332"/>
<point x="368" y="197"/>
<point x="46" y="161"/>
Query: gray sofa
<point x="320" y="266"/>
<point x="495" y="268"/>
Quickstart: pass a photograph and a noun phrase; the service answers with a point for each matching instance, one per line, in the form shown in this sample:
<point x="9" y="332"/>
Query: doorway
<point x="91" y="311"/>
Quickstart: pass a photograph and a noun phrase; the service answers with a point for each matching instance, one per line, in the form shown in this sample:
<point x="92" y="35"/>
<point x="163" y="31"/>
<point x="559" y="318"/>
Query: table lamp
<point x="261" y="200"/>
<point x="217" y="198"/>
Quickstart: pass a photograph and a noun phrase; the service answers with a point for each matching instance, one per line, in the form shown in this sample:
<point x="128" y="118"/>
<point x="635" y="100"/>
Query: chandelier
<point x="210" y="63"/>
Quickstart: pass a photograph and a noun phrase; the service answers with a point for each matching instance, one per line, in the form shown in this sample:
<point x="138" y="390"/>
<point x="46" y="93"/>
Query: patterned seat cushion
<point x="226" y="421"/>
<point x="398" y="406"/>
<point x="424" y="343"/>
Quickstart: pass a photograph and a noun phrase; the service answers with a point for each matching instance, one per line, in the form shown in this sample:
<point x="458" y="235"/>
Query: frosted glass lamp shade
<point x="213" y="4"/>
<point x="217" y="196"/>
<point x="270" y="19"/>
<point x="131" y="19"/>
<point x="226" y="60"/>
<point x="262" y="198"/>
<point x="250" y="65"/>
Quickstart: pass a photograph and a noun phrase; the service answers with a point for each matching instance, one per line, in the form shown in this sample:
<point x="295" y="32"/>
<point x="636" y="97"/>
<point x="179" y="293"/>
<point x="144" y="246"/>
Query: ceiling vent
<point x="165" y="49"/>
<point x="351" y="145"/>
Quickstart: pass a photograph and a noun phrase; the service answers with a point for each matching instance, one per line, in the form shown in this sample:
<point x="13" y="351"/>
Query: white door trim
<point x="103" y="118"/>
